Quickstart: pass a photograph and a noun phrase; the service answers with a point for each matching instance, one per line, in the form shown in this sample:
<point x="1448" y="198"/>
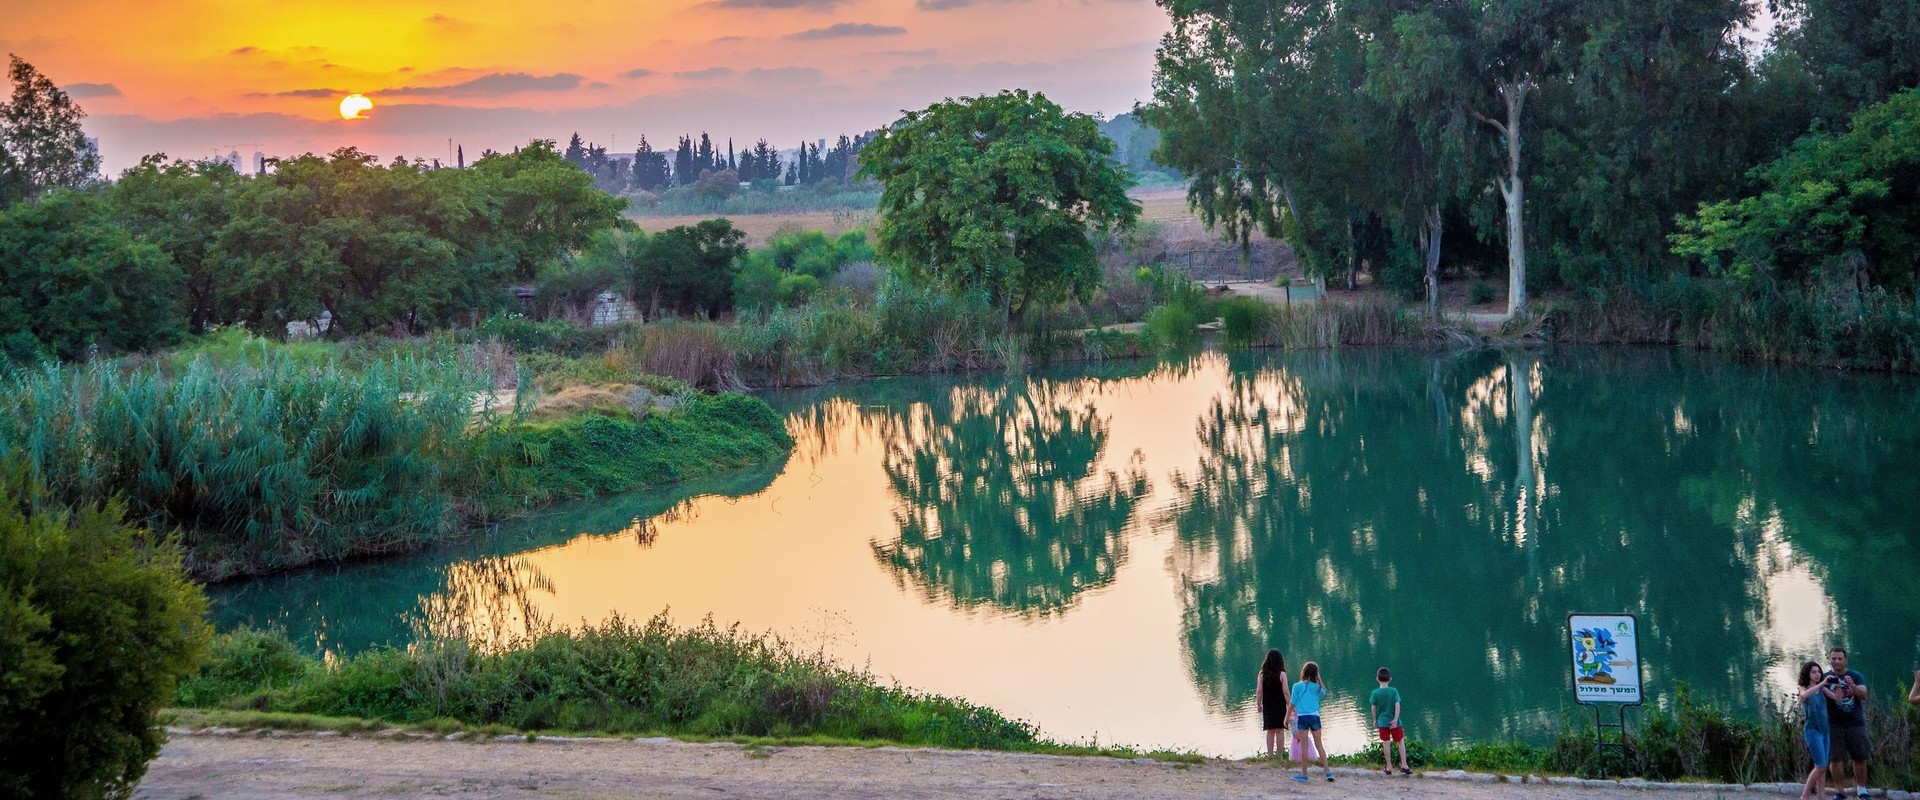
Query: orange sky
<point x="190" y="78"/>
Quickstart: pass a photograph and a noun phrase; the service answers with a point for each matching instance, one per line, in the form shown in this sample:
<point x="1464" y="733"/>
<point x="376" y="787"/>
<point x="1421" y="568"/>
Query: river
<point x="1109" y="550"/>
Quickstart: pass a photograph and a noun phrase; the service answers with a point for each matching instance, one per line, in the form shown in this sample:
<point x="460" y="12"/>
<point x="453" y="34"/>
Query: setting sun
<point x="353" y="105"/>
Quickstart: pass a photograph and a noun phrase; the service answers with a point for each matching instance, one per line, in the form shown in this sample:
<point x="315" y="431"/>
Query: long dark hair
<point x="1813" y="665"/>
<point x="1310" y="673"/>
<point x="1274" y="664"/>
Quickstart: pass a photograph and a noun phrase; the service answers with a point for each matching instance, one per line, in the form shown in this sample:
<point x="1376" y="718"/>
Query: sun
<point x="353" y="105"/>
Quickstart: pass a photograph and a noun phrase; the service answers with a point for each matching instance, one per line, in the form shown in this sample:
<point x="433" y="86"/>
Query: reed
<point x="259" y="466"/>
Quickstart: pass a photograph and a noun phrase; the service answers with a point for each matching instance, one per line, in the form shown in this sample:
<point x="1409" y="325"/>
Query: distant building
<point x="233" y="160"/>
<point x="259" y="163"/>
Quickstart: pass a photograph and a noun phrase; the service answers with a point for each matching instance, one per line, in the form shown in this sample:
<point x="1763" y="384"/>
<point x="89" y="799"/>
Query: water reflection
<point x="992" y="536"/>
<point x="1001" y="501"/>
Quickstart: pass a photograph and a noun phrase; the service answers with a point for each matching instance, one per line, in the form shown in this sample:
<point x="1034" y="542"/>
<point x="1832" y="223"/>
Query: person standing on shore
<point x="1385" y="704"/>
<point x="1270" y="698"/>
<point x="1847" y="721"/>
<point x="1816" y="689"/>
<point x="1306" y="697"/>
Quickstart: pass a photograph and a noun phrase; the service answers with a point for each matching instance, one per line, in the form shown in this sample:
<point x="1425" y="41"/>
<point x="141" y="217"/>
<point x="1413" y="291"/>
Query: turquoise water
<point x="1109" y="550"/>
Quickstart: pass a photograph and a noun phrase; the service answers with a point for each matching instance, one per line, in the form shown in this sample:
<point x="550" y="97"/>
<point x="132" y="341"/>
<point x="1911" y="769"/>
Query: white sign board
<point x="1606" y="658"/>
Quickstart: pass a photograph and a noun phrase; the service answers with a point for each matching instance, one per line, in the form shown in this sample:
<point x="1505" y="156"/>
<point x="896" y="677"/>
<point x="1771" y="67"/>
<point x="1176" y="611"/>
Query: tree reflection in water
<point x="1001" y="498"/>
<point x="1357" y="512"/>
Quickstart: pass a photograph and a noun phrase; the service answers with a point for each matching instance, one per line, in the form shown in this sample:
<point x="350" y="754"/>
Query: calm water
<point x="1109" y="551"/>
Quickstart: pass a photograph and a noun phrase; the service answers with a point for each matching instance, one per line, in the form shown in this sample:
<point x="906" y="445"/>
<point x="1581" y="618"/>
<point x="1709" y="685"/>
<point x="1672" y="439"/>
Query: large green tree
<point x="1835" y="208"/>
<point x="72" y="280"/>
<point x="44" y="147"/>
<point x="181" y="208"/>
<point x="997" y="194"/>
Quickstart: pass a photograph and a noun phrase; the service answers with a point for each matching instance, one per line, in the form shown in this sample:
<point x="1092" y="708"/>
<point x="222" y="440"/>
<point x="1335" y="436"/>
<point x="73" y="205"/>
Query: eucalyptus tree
<point x="1255" y="101"/>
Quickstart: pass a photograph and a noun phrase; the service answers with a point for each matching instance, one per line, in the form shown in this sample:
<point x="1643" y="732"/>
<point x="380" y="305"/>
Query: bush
<point x="97" y="624"/>
<point x="1173" y="325"/>
<point x="241" y="665"/>
<point x="622" y="677"/>
<point x="1247" y="321"/>
<point x="1480" y="293"/>
<point x="598" y="453"/>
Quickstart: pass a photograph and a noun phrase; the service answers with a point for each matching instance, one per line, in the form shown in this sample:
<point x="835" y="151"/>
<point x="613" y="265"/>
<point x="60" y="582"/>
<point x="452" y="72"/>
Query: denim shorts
<point x="1306" y="722"/>
<point x="1817" y="745"/>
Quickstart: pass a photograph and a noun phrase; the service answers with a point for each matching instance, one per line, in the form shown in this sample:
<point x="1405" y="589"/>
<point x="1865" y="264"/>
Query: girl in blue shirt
<point x="1306" y="696"/>
<point x="1815" y="691"/>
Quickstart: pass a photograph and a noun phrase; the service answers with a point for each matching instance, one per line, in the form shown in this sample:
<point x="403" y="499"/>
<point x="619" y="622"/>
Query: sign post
<point x="1606" y="667"/>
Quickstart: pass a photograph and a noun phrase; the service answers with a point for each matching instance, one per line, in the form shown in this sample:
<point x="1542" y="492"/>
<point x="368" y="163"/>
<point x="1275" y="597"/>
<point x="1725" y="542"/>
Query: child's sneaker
<point x="1300" y="778"/>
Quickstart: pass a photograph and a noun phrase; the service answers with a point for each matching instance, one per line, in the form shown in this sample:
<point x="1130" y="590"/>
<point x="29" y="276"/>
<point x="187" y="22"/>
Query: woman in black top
<point x="1270" y="697"/>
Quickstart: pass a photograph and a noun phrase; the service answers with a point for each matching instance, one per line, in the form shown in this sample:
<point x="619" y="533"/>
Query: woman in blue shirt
<point x="1815" y="691"/>
<point x="1306" y="696"/>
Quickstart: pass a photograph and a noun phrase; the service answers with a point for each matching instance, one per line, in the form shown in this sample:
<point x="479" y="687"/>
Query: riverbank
<point x="226" y="763"/>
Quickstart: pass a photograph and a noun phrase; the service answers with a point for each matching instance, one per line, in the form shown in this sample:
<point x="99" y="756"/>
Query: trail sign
<point x="1606" y="658"/>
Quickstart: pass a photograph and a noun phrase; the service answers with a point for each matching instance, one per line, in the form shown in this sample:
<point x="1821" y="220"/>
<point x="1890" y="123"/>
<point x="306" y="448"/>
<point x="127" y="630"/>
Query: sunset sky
<point x="192" y="78"/>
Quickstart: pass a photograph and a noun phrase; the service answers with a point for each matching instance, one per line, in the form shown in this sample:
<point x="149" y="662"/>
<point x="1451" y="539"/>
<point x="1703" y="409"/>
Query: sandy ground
<point x="302" y="766"/>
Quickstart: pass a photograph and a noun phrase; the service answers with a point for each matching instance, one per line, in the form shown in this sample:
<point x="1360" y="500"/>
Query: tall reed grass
<point x="1833" y="326"/>
<point x="260" y="465"/>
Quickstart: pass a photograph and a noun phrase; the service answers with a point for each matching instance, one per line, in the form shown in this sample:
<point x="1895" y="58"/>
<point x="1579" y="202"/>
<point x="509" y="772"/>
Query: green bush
<point x="598" y="454"/>
<point x="97" y="624"/>
<point x="553" y="336"/>
<point x="1247" y="321"/>
<point x="1173" y="325"/>
<point x="622" y="677"/>
<point x="1480" y="292"/>
<point x="240" y="666"/>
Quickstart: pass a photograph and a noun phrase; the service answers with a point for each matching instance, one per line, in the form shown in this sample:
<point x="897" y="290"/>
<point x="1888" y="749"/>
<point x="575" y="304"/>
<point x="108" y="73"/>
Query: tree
<point x="181" y="208"/>
<point x="690" y="269"/>
<point x="99" y="627"/>
<point x="535" y="207"/>
<point x="1499" y="53"/>
<point x="650" y="169"/>
<point x="71" y="279"/>
<point x="685" y="170"/>
<point x="1840" y="207"/>
<point x="1858" y="53"/>
<point x="997" y="194"/>
<point x="40" y="133"/>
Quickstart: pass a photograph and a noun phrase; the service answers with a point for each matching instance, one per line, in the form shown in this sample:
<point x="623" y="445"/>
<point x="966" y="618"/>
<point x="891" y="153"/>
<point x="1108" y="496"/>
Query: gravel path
<point x="271" y="767"/>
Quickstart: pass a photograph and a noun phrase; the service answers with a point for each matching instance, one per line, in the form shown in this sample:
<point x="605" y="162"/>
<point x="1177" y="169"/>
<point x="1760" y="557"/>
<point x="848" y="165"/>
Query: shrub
<point x="652" y="677"/>
<point x="97" y="624"/>
<point x="241" y="665"/>
<point x="605" y="453"/>
<point x="1173" y="325"/>
<point x="690" y="352"/>
<point x="1480" y="293"/>
<point x="1247" y="321"/>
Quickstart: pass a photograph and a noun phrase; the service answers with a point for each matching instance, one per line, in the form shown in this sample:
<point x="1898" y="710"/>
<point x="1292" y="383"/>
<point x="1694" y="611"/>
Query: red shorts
<point x="1393" y="734"/>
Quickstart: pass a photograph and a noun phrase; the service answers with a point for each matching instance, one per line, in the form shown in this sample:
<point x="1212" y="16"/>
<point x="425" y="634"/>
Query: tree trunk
<point x="1430" y="233"/>
<point x="1514" y="190"/>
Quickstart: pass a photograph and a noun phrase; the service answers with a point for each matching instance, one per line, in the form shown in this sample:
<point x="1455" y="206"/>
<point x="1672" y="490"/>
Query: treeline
<point x="701" y="164"/>
<point x="177" y="247"/>
<point x="1562" y="143"/>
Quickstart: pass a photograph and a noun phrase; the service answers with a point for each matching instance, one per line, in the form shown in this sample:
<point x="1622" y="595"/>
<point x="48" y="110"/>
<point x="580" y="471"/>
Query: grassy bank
<point x="263" y="457"/>
<point x="617" y="678"/>
<point x="1685" y="741"/>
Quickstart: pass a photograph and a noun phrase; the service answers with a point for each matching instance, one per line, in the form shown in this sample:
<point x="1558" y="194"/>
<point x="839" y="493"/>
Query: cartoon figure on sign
<point x="1593" y="650"/>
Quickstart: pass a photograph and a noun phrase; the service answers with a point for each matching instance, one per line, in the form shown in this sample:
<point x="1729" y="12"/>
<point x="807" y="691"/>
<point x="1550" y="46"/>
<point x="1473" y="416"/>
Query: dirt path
<point x="304" y="766"/>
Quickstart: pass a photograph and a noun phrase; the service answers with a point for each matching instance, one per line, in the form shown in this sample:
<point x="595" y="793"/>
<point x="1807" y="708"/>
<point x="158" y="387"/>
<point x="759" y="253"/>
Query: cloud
<point x="442" y="19"/>
<point x="785" y="74"/>
<point x="776" y="5"/>
<point x="599" y="85"/>
<point x="245" y="51"/>
<point x="927" y="53"/>
<point x="83" y="90"/>
<point x="303" y="93"/>
<point x="705" y="74"/>
<point x="638" y="73"/>
<point x="494" y="83"/>
<point x="845" y="30"/>
<point x="948" y="5"/>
